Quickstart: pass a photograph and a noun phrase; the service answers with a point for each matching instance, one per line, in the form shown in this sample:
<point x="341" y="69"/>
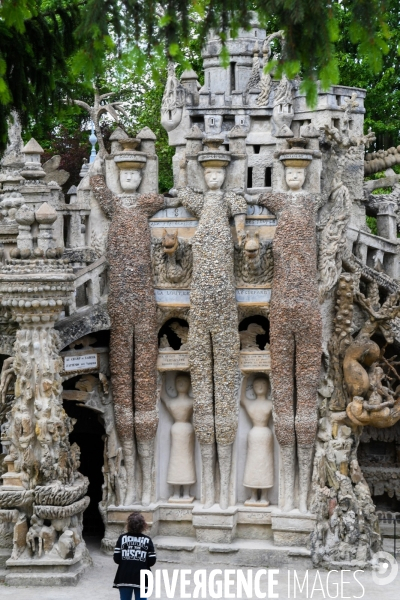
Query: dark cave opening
<point x="88" y="434"/>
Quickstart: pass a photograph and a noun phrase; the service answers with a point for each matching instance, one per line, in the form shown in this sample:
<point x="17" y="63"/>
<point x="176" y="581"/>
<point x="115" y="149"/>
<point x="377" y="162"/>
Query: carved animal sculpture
<point x="172" y="259"/>
<point x="360" y="354"/>
<point x="254" y="261"/>
<point x="248" y="337"/>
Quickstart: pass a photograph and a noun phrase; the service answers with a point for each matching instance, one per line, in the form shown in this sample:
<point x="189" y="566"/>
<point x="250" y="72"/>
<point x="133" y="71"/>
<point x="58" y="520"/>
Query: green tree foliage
<point x="147" y="32"/>
<point x="311" y="28"/>
<point x="36" y="39"/>
<point x="50" y="49"/>
<point x="383" y="87"/>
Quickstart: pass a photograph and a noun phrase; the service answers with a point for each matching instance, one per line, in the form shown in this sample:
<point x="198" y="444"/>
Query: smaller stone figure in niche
<point x="259" y="469"/>
<point x="181" y="468"/>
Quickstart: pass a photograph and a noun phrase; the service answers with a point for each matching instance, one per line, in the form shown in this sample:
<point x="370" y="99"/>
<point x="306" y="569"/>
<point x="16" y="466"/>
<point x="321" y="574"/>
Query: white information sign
<point x="261" y="222"/>
<point x="172" y="224"/>
<point x="247" y="295"/>
<point x="176" y="361"/>
<point x="80" y="362"/>
<point x="253" y="295"/>
<point x="172" y="296"/>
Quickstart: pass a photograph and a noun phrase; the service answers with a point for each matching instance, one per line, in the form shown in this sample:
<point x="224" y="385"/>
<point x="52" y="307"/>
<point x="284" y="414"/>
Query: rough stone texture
<point x="213" y="334"/>
<point x="132" y="310"/>
<point x="295" y="334"/>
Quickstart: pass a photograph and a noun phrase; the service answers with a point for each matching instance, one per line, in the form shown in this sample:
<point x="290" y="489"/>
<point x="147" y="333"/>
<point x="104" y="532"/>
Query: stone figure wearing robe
<point x="259" y="468"/>
<point x="181" y="466"/>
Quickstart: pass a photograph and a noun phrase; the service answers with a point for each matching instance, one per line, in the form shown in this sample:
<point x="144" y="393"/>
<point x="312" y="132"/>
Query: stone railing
<point x="374" y="251"/>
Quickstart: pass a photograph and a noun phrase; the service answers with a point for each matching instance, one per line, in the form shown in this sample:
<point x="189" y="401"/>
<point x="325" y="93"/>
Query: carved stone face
<point x="214" y="177"/>
<point x="170" y="241"/>
<point x="295" y="177"/>
<point x="130" y="179"/>
<point x="182" y="384"/>
<point x="260" y="386"/>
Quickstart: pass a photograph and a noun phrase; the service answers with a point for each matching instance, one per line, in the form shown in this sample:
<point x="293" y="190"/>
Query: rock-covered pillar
<point x="43" y="484"/>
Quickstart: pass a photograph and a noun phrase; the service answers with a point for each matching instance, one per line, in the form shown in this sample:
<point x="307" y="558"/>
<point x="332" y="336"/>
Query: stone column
<point x="25" y="218"/>
<point x="45" y="216"/>
<point x="43" y="483"/>
<point x="386" y="220"/>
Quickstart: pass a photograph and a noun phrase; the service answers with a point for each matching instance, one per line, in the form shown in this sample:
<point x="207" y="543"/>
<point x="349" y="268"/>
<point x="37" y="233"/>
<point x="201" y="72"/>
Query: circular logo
<point x="386" y="568"/>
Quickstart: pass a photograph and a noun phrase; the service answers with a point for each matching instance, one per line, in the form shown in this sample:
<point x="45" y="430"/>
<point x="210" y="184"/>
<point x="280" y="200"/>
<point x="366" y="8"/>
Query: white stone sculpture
<point x="259" y="469"/>
<point x="181" y="467"/>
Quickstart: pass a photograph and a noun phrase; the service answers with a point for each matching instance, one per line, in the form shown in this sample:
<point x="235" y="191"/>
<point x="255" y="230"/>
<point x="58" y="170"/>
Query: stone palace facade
<point x="222" y="358"/>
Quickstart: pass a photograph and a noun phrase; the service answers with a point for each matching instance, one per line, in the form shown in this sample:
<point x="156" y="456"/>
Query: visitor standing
<point x="133" y="552"/>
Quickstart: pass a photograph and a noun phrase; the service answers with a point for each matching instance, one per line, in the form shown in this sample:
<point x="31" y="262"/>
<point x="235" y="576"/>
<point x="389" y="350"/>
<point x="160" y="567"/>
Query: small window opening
<point x="212" y="121"/>
<point x="256" y="148"/>
<point x="336" y="123"/>
<point x="82" y="298"/>
<point x="170" y="115"/>
<point x="233" y="76"/>
<point x="268" y="177"/>
<point x="338" y="100"/>
<point x="66" y="230"/>
<point x="249" y="177"/>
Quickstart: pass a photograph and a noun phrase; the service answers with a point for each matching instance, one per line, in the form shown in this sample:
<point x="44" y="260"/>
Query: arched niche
<point x="174" y="332"/>
<point x="254" y="332"/>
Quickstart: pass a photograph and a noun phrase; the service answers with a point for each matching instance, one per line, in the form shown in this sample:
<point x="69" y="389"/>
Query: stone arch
<point x="91" y="320"/>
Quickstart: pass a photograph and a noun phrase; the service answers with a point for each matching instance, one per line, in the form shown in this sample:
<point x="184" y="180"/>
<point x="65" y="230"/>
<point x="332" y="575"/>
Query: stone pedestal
<point x="292" y="529"/>
<point x="215" y="525"/>
<point x="48" y="571"/>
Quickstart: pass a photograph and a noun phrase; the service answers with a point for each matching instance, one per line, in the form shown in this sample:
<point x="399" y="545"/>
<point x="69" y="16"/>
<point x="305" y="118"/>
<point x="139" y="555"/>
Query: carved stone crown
<point x="213" y="156"/>
<point x="297" y="155"/>
<point x="129" y="157"/>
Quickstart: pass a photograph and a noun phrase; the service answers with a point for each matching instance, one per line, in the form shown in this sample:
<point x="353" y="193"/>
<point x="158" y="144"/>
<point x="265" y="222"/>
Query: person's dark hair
<point x="136" y="523"/>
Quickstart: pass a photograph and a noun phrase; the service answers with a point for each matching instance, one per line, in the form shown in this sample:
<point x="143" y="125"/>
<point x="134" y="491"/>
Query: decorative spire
<point x="93" y="141"/>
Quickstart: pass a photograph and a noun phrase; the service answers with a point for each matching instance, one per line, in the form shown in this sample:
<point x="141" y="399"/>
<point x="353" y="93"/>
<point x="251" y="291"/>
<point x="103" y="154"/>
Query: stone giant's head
<point x="131" y="163"/>
<point x="130" y="179"/>
<point x="296" y="160"/>
<point x="214" y="162"/>
<point x="214" y="177"/>
<point x="295" y="177"/>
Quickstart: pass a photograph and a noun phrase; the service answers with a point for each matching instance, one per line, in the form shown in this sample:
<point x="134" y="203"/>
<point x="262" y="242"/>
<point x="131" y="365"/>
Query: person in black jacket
<point x="134" y="551"/>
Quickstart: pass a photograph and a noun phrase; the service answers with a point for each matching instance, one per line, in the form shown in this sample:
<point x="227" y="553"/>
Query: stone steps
<point x="239" y="553"/>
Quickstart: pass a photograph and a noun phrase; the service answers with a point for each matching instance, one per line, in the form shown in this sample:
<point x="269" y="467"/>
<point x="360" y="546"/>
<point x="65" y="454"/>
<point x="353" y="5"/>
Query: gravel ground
<point x="96" y="584"/>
